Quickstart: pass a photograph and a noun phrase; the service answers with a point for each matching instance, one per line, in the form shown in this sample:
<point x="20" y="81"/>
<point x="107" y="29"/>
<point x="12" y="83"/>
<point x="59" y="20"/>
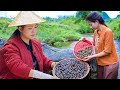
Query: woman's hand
<point x="55" y="77"/>
<point x="39" y="75"/>
<point x="88" y="57"/>
<point x="82" y="38"/>
<point x="53" y="64"/>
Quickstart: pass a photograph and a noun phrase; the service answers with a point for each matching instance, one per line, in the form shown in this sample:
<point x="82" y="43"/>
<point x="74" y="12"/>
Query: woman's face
<point x="28" y="31"/>
<point x="93" y="25"/>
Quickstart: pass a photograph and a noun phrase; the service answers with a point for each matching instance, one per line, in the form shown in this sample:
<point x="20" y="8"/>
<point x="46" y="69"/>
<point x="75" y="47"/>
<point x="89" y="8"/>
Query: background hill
<point x="60" y="31"/>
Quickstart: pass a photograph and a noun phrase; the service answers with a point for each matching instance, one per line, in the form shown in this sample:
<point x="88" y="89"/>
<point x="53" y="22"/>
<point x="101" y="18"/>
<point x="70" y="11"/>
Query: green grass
<point x="60" y="33"/>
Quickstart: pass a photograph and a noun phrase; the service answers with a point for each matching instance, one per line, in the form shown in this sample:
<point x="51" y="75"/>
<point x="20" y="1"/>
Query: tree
<point x="82" y="14"/>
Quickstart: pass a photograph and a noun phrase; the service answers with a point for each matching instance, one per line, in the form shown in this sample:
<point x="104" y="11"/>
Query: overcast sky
<point x="112" y="14"/>
<point x="52" y="14"/>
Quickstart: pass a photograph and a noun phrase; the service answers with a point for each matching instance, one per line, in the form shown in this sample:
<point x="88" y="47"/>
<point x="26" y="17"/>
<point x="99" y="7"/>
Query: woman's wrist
<point x="31" y="73"/>
<point x="53" y="64"/>
<point x="40" y="75"/>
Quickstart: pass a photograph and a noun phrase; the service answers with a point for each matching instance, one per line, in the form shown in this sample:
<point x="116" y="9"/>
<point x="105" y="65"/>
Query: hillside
<point x="60" y="31"/>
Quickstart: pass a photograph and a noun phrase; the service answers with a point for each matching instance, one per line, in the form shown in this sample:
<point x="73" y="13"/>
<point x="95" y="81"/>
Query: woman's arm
<point x="53" y="64"/>
<point x="101" y="54"/>
<point x="14" y="62"/>
<point x="39" y="75"/>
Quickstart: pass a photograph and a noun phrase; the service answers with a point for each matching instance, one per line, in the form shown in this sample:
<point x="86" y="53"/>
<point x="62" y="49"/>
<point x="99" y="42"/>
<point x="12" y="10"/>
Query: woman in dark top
<point x="22" y="53"/>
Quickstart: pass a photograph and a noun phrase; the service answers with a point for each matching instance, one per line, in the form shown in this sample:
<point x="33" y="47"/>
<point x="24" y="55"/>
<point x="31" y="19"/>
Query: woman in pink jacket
<point x="22" y="53"/>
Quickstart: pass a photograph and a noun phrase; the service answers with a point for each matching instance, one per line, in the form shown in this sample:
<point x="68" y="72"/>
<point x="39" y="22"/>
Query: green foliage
<point x="83" y="27"/>
<point x="5" y="32"/>
<point x="115" y="26"/>
<point x="4" y="23"/>
<point x="56" y="33"/>
<point x="59" y="32"/>
<point x="82" y="14"/>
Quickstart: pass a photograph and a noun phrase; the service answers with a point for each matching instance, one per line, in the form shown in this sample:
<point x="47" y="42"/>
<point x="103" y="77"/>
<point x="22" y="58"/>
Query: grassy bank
<point x="59" y="33"/>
